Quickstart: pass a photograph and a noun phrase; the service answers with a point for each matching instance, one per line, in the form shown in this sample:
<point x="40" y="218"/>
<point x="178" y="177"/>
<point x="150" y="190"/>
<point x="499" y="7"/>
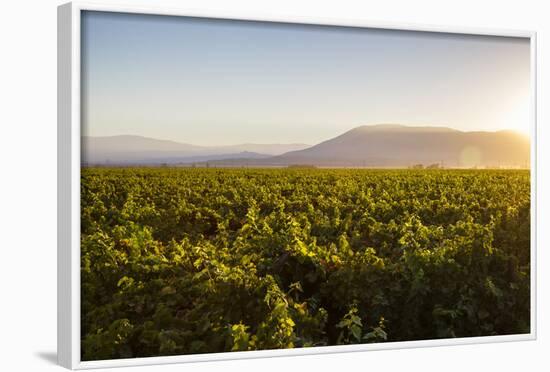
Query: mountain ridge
<point x="379" y="145"/>
<point x="401" y="146"/>
<point x="128" y="149"/>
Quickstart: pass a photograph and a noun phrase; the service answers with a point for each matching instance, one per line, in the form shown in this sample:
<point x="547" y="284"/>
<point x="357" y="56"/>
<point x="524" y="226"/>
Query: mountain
<point x="128" y="150"/>
<point x="383" y="145"/>
<point x="389" y="145"/>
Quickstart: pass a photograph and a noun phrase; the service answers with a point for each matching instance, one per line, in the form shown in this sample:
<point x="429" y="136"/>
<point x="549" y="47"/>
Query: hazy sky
<point x="212" y="82"/>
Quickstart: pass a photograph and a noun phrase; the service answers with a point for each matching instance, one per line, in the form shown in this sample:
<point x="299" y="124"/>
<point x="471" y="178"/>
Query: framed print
<point x="238" y="186"/>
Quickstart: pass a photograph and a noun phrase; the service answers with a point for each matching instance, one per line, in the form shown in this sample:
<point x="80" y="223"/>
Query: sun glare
<point x="518" y="118"/>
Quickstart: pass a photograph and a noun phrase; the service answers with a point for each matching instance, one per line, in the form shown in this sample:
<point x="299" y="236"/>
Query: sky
<point x="222" y="82"/>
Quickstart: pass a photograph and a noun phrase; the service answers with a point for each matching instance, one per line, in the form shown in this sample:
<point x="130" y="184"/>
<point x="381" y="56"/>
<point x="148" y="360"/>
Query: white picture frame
<point x="69" y="164"/>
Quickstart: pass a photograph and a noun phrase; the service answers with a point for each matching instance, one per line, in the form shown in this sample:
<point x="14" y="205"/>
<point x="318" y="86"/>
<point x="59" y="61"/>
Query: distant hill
<point x="128" y="150"/>
<point x="402" y="146"/>
<point x="175" y="159"/>
<point x="384" y="145"/>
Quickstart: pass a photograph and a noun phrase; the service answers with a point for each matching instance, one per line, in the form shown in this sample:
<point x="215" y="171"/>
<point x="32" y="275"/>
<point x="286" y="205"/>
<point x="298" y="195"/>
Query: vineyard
<point x="183" y="261"/>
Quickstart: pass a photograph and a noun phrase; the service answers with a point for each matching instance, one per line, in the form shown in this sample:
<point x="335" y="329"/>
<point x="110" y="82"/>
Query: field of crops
<point x="180" y="261"/>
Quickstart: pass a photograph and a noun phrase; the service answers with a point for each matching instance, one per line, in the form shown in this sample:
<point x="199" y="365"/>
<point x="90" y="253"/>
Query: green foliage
<point x="240" y="337"/>
<point x="352" y="328"/>
<point x="184" y="261"/>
